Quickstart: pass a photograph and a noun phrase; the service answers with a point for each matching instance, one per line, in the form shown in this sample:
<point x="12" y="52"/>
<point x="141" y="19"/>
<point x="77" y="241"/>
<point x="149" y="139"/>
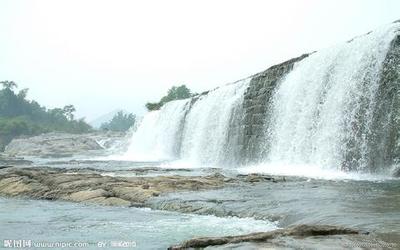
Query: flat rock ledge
<point x="69" y="185"/>
<point x="60" y="145"/>
<point x="301" y="231"/>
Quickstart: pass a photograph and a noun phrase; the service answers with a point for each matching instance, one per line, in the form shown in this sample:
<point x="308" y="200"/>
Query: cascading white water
<point x="158" y="135"/>
<point x="322" y="110"/>
<point x="197" y="132"/>
<point x="207" y="125"/>
<point x="324" y="115"/>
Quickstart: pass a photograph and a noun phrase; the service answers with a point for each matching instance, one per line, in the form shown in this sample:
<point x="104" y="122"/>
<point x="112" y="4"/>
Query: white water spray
<point x="195" y="130"/>
<point x="322" y="111"/>
<point x="322" y="117"/>
<point x="208" y="124"/>
<point x="158" y="135"/>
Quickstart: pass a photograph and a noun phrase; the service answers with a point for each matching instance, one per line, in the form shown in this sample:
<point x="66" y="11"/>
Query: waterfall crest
<point x="336" y="109"/>
<point x="199" y="129"/>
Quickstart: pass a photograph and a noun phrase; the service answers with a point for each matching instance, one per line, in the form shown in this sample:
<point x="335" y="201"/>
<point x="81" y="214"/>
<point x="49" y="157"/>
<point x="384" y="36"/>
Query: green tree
<point x="153" y="106"/>
<point x="19" y="116"/>
<point x="69" y="112"/>
<point x="174" y="93"/>
<point x="57" y="114"/>
<point x="120" y="122"/>
<point x="23" y="93"/>
<point x="9" y="85"/>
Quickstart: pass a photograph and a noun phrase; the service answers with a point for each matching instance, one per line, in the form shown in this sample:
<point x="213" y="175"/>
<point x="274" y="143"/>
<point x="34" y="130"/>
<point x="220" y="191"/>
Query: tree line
<point x="19" y="116"/>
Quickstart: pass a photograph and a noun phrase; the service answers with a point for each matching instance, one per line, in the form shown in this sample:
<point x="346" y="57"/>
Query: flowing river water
<point x="371" y="205"/>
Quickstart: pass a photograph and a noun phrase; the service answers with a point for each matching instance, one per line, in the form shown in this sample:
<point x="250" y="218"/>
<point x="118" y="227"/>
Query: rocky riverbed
<point x="303" y="231"/>
<point x="211" y="192"/>
<point x="82" y="186"/>
<point x="307" y="212"/>
<point x="60" y="145"/>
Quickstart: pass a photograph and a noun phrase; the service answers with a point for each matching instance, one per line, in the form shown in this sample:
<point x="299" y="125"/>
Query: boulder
<point x="295" y="231"/>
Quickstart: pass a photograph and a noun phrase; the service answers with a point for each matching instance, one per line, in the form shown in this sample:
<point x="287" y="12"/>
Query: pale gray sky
<point x="103" y="55"/>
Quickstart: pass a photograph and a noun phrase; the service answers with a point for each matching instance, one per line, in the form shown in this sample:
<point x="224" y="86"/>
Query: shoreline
<point x="91" y="187"/>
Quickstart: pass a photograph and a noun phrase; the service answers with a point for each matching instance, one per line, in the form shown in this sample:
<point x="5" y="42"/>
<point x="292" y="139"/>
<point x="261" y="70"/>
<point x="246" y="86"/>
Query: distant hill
<point x="96" y="123"/>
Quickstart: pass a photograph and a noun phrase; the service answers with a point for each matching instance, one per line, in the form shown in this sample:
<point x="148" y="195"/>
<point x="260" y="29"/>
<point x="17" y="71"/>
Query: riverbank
<point x="88" y="187"/>
<point x="282" y="201"/>
<point x="248" y="202"/>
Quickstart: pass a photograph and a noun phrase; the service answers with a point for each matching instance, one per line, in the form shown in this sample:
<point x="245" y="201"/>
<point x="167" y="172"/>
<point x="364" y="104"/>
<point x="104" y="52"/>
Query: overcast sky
<point x="103" y="55"/>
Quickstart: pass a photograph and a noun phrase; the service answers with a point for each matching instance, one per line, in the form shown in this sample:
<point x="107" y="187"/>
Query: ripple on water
<point x="150" y="229"/>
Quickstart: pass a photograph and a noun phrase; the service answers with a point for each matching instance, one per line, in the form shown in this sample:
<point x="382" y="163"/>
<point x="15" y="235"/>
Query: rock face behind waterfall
<point x="386" y="148"/>
<point x="374" y="142"/>
<point x="256" y="103"/>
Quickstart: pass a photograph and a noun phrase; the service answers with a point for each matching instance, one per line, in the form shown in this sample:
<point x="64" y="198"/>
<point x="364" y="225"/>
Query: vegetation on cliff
<point x="19" y="116"/>
<point x="174" y="93"/>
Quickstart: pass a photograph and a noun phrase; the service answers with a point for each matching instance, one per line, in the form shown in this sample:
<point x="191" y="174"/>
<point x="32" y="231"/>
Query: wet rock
<point x="110" y="201"/>
<point x="258" y="178"/>
<point x="7" y="161"/>
<point x="296" y="231"/>
<point x="396" y="172"/>
<point x="52" y="145"/>
<point x="68" y="185"/>
<point x="253" y="177"/>
<point x="255" y="107"/>
<point x="87" y="195"/>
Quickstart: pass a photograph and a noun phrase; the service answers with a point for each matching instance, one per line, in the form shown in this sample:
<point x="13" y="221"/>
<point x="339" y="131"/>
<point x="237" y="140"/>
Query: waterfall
<point x="158" y="135"/>
<point x="335" y="109"/>
<point x="209" y="126"/>
<point x="200" y="129"/>
<point x="323" y="111"/>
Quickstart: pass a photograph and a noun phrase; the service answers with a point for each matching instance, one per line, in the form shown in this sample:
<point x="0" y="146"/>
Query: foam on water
<point x="310" y="171"/>
<point x="57" y="221"/>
